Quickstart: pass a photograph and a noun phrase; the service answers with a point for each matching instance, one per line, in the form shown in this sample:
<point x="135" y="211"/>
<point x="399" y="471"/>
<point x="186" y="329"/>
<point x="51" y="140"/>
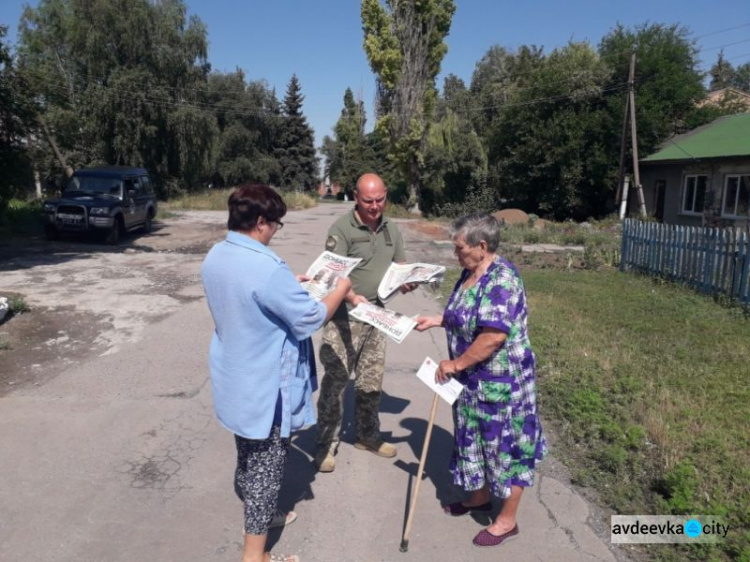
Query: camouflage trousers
<point x="349" y="345"/>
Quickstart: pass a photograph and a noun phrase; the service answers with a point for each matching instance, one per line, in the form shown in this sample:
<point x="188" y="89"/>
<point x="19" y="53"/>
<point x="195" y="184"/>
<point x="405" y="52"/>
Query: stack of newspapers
<point x="324" y="271"/>
<point x="328" y="266"/>
<point x="393" y="324"/>
<point x="402" y="273"/>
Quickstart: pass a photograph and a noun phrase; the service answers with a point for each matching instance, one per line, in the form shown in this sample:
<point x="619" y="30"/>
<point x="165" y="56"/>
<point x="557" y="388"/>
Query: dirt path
<point x="87" y="299"/>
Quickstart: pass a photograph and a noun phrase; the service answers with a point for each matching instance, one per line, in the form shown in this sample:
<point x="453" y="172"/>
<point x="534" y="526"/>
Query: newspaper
<point x="448" y="391"/>
<point x="394" y="324"/>
<point x="400" y="273"/>
<point x="324" y="271"/>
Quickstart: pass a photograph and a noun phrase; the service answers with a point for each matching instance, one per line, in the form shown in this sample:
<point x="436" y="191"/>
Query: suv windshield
<point x="93" y="184"/>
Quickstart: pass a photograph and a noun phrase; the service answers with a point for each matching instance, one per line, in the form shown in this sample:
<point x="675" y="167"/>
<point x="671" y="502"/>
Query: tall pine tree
<point x="296" y="149"/>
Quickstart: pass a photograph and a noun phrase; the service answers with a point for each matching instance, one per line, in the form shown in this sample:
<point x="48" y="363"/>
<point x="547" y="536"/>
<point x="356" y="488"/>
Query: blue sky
<point x="321" y="40"/>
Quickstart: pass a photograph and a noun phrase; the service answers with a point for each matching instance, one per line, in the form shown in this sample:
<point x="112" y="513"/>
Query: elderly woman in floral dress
<point x="498" y="434"/>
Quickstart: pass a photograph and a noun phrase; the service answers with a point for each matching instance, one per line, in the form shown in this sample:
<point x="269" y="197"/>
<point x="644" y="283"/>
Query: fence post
<point x="744" y="260"/>
<point x="624" y="245"/>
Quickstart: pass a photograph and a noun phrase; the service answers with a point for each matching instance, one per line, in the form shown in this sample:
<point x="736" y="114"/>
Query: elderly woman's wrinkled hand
<point x="427" y="322"/>
<point x="445" y="370"/>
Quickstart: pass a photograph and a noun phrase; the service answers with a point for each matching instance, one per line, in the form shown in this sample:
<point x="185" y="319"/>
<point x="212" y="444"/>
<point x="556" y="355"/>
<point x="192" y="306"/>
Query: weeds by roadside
<point x="645" y="385"/>
<point x="21" y="218"/>
<point x="216" y="200"/>
<point x="17" y="305"/>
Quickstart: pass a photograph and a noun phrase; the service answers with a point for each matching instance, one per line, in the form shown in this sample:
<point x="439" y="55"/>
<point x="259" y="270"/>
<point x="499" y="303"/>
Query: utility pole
<point x="624" y="202"/>
<point x="623" y="136"/>
<point x="634" y="138"/>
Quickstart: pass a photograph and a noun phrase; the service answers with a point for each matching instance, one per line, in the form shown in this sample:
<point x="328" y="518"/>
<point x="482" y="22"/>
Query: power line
<point x="738" y="56"/>
<point x="722" y="31"/>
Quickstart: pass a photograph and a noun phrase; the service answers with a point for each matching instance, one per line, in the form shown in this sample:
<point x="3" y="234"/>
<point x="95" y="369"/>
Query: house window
<point x="736" y="200"/>
<point x="694" y="194"/>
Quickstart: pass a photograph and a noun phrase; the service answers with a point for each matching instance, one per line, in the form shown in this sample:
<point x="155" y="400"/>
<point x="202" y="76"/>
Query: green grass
<point x="646" y="386"/>
<point x="396" y="211"/>
<point x="21" y="219"/>
<point x="216" y="200"/>
<point x="562" y="233"/>
<point x="17" y="305"/>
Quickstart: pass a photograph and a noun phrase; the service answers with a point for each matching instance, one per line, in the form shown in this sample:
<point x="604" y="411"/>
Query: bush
<point x="295" y="200"/>
<point x="21" y="218"/>
<point x="17" y="305"/>
<point x="679" y="487"/>
<point x="479" y="197"/>
<point x="599" y="250"/>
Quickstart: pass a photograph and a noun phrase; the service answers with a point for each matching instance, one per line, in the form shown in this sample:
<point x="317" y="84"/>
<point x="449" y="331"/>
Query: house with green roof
<point x="702" y="178"/>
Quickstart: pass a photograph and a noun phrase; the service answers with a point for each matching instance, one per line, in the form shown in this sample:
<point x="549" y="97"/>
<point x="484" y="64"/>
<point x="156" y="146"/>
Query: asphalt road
<point x="118" y="457"/>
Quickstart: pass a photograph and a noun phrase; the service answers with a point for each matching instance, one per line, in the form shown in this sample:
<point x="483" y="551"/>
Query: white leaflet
<point x="448" y="391"/>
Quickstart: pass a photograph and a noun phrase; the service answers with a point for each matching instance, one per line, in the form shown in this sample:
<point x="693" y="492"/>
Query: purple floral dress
<point x="498" y="435"/>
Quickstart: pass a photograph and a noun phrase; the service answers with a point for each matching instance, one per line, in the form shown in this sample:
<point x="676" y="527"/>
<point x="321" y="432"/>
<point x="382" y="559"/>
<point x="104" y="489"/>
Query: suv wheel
<point x="147" y="225"/>
<point x="113" y="235"/>
<point x="50" y="232"/>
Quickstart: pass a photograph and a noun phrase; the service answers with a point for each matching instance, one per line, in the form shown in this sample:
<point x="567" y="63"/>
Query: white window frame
<point x="733" y="214"/>
<point x="695" y="192"/>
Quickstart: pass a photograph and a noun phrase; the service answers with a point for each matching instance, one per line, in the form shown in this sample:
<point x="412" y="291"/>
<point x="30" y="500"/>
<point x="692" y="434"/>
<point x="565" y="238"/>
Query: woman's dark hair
<point x="476" y="227"/>
<point x="248" y="203"/>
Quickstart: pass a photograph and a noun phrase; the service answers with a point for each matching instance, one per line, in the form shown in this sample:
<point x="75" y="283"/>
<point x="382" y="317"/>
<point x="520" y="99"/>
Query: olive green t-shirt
<point x="351" y="238"/>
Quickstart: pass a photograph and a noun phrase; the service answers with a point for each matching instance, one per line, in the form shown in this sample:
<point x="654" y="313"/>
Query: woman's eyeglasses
<point x="281" y="224"/>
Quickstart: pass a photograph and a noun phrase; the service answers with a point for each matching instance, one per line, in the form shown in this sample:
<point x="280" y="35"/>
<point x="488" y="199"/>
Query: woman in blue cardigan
<point x="260" y="355"/>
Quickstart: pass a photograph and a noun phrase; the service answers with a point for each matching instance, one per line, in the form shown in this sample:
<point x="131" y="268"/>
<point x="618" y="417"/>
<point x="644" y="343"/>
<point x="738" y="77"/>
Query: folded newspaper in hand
<point x="401" y="273"/>
<point x="448" y="391"/>
<point x="324" y="271"/>
<point x="394" y="324"/>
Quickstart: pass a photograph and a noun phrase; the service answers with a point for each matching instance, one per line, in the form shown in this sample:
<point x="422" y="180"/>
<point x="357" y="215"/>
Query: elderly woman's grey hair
<point x="476" y="227"/>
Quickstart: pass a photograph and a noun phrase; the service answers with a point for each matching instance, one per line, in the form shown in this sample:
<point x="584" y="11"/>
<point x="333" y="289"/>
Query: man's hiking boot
<point x="382" y="450"/>
<point x="325" y="462"/>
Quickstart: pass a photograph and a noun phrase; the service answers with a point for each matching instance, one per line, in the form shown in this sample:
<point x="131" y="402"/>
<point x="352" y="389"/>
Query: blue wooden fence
<point x="713" y="260"/>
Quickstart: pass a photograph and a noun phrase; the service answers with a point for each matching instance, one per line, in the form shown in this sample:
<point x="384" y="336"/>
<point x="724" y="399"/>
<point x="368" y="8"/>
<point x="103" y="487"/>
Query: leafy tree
<point x="455" y="159"/>
<point x="15" y="119"/>
<point x="499" y="77"/>
<point x="721" y="73"/>
<point x="456" y="97"/>
<point x="121" y="82"/>
<point x="296" y="149"/>
<point x="348" y="154"/>
<point x="741" y="79"/>
<point x="404" y="43"/>
<point x="551" y="145"/>
<point x="668" y="82"/>
<point x="246" y="115"/>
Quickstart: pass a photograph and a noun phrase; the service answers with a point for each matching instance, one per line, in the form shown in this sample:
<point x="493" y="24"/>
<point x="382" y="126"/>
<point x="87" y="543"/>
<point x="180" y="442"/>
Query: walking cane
<point x="425" y="447"/>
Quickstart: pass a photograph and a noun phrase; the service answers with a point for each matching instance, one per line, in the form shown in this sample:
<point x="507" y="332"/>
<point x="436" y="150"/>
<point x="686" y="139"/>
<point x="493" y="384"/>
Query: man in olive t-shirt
<point x="352" y="345"/>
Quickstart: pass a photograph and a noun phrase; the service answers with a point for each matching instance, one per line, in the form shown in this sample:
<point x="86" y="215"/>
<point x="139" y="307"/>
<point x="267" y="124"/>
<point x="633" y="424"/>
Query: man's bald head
<point x="370" y="197"/>
<point x="370" y="181"/>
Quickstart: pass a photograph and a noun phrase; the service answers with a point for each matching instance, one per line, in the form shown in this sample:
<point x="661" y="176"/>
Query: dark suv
<point x="105" y="201"/>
